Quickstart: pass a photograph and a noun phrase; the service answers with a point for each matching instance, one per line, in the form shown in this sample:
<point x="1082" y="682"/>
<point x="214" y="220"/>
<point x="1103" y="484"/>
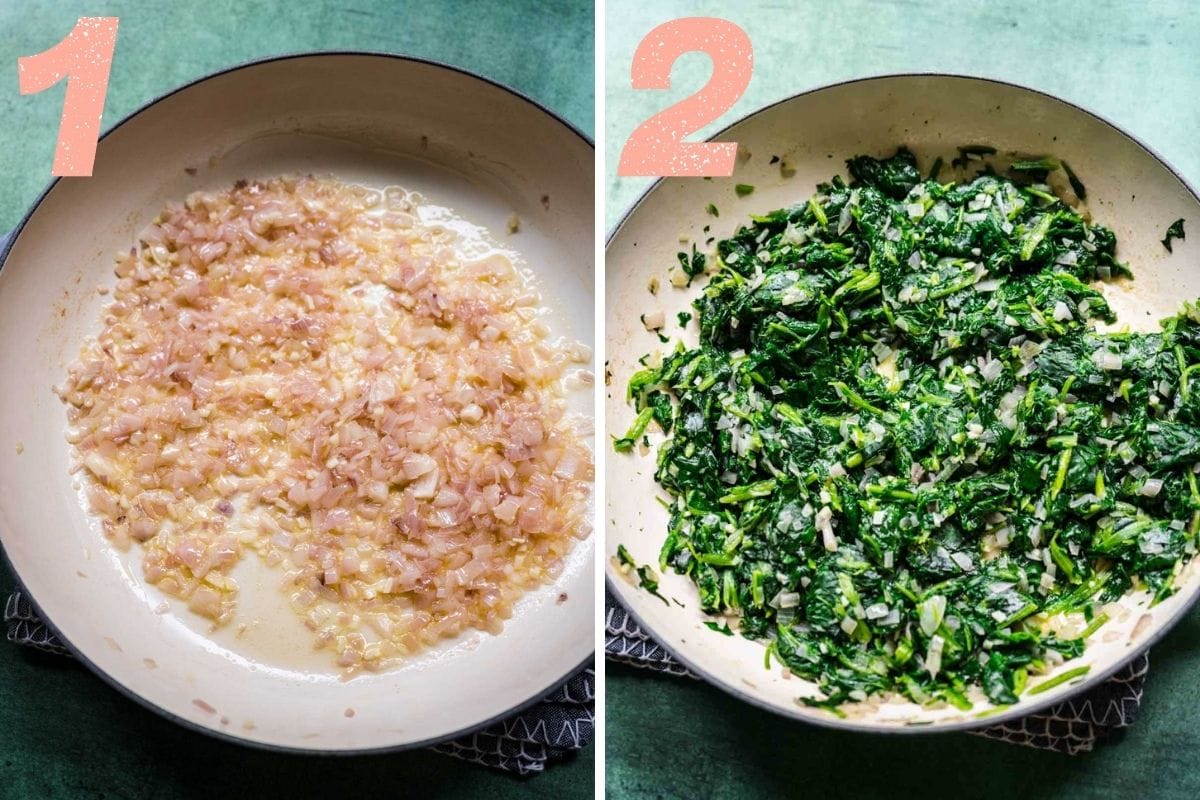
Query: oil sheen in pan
<point x="265" y="634"/>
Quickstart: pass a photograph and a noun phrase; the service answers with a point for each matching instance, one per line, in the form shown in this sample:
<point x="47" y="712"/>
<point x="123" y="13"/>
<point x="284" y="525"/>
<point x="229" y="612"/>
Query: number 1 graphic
<point x="84" y="58"/>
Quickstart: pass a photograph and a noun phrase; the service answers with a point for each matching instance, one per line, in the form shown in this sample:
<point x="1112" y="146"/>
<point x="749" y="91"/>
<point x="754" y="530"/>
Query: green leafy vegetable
<point x="903" y="456"/>
<point x="712" y="209"/>
<point x="1036" y="169"/>
<point x="1037" y="165"/>
<point x="936" y="169"/>
<point x="1076" y="185"/>
<point x="626" y="442"/>
<point x="647" y="578"/>
<point x="1173" y="232"/>
<point x="743" y="189"/>
<point x="972" y="152"/>
<point x="1060" y="679"/>
<point x="692" y="265"/>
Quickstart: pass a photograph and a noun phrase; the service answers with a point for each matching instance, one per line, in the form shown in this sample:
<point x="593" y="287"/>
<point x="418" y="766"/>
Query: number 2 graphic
<point x="84" y="58"/>
<point x="656" y="147"/>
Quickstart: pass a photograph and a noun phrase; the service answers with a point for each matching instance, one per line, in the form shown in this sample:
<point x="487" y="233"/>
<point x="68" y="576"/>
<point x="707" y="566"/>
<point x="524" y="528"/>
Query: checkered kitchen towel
<point x="1074" y="726"/>
<point x="524" y="743"/>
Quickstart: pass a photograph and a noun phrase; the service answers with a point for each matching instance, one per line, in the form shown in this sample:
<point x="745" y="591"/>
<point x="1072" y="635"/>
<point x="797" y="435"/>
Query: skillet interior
<point x="1129" y="190"/>
<point x="464" y="143"/>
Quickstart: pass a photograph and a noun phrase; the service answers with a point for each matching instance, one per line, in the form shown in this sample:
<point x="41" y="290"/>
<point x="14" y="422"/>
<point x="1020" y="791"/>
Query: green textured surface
<point x="65" y="733"/>
<point x="1135" y="63"/>
<point x="544" y="49"/>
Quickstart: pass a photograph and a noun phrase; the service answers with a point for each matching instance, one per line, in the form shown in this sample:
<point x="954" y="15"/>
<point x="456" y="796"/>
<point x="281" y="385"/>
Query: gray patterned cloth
<point x="1074" y="726"/>
<point x="525" y="743"/>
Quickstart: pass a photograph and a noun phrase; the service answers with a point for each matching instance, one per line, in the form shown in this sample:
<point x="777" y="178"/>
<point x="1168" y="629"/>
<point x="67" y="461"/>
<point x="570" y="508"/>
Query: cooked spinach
<point x="972" y="152"/>
<point x="1175" y="231"/>
<point x="692" y="265"/>
<point x="647" y="577"/>
<point x="1034" y="169"/>
<point x="1076" y="185"/>
<point x="903" y="456"/>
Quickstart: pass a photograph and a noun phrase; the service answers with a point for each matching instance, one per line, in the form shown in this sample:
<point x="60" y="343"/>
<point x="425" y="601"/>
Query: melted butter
<point x="1138" y="304"/>
<point x="265" y="634"/>
<point x="887" y="367"/>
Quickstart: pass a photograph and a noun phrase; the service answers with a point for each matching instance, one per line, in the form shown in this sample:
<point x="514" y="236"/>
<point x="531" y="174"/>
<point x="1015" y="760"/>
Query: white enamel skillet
<point x="1129" y="189"/>
<point x="463" y="142"/>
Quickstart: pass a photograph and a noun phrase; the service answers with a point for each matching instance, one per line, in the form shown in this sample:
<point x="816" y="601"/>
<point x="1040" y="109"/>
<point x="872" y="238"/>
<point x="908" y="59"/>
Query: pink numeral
<point x="657" y="147"/>
<point x="84" y="59"/>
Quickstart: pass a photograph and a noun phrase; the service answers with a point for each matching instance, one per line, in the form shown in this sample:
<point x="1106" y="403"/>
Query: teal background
<point x="1137" y="63"/>
<point x="543" y="48"/>
<point x="64" y="733"/>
